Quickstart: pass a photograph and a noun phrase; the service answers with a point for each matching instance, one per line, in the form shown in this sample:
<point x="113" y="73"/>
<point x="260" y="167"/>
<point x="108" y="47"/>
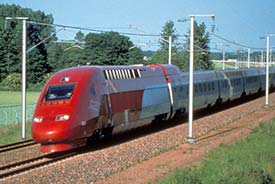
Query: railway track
<point x="29" y="164"/>
<point x="17" y="145"/>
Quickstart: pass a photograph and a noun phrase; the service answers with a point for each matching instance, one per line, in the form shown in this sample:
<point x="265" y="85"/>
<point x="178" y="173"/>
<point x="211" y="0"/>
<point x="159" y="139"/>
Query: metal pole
<point x="248" y="58"/>
<point x="267" y="71"/>
<point x="24" y="79"/>
<point x="262" y="59"/>
<point x="170" y="50"/>
<point x="223" y="59"/>
<point x="191" y="68"/>
<point x="270" y="56"/>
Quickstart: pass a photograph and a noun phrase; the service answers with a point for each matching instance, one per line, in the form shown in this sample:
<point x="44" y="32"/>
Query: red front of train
<point x="63" y="118"/>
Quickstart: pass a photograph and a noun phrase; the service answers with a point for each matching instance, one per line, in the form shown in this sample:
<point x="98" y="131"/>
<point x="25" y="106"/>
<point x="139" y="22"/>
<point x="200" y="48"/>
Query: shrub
<point x="13" y="81"/>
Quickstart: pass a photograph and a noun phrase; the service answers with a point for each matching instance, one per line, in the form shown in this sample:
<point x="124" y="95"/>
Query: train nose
<point x="51" y="129"/>
<point x="49" y="134"/>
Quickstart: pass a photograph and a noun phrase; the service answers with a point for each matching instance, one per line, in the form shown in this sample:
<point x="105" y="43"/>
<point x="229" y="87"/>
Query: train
<point x="86" y="102"/>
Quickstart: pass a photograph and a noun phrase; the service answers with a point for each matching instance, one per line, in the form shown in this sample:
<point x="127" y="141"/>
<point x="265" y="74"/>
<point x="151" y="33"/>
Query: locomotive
<point x="92" y="101"/>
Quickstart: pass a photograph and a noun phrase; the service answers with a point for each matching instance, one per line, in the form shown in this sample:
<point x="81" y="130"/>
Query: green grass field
<point x="10" y="104"/>
<point x="14" y="97"/>
<point x="248" y="161"/>
<point x="12" y="133"/>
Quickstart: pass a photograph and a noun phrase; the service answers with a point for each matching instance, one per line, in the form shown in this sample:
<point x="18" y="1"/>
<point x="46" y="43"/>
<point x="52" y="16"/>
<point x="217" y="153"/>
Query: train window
<point x="232" y="82"/>
<point x="204" y="87"/>
<point x="225" y="84"/>
<point x="122" y="74"/>
<point x="213" y="86"/>
<point x="126" y="74"/>
<point x="114" y="74"/>
<point x="60" y="92"/>
<point x="119" y="73"/>
<point x="106" y="74"/>
<point x="200" y="87"/>
<point x="133" y="74"/>
<point x="117" y="76"/>
<point x="196" y="88"/>
<point x="209" y="86"/>
<point x="137" y="73"/>
<point x="129" y="73"/>
<point x="110" y="74"/>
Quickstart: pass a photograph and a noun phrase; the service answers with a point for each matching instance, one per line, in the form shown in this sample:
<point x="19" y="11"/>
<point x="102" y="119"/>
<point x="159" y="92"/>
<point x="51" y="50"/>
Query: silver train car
<point x="212" y="87"/>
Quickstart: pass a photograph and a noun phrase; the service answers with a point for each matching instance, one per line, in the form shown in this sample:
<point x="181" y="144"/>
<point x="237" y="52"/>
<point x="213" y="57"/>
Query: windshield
<point x="63" y="92"/>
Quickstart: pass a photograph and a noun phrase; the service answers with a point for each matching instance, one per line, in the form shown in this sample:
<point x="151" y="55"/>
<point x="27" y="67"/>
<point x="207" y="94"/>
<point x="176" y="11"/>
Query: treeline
<point x="108" y="48"/>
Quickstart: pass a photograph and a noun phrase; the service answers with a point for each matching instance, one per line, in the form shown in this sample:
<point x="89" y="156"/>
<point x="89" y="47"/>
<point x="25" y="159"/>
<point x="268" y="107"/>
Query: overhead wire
<point x="100" y="30"/>
<point x="235" y="43"/>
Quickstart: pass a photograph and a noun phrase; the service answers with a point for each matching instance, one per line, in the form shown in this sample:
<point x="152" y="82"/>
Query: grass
<point x="218" y="66"/>
<point x="248" y="161"/>
<point x="14" y="97"/>
<point x="12" y="133"/>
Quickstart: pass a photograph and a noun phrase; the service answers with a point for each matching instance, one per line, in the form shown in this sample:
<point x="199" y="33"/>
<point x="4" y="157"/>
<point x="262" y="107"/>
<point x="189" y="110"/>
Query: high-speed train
<point x="92" y="101"/>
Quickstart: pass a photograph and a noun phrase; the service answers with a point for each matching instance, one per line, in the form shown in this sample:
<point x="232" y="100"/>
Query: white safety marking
<point x="171" y="94"/>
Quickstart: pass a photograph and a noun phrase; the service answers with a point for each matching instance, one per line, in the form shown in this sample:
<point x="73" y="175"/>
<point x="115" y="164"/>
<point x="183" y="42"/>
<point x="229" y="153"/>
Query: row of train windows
<point x="224" y="84"/>
<point x="235" y="82"/>
<point x="198" y="88"/>
<point x="252" y="79"/>
<point x="122" y="74"/>
<point x="204" y="87"/>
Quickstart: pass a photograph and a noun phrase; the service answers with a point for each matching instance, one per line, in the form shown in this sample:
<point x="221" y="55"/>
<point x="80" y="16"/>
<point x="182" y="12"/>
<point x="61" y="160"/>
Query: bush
<point x="13" y="81"/>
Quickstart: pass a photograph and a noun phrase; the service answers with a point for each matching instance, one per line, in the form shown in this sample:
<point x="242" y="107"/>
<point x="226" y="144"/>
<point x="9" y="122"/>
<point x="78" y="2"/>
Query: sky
<point x="240" y="21"/>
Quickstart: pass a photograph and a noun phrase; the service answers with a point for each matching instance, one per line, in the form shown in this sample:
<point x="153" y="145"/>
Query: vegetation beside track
<point x="12" y="133"/>
<point x="251" y="160"/>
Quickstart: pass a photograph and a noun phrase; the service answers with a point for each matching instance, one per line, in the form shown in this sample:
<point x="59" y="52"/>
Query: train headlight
<point x="63" y="117"/>
<point x="37" y="119"/>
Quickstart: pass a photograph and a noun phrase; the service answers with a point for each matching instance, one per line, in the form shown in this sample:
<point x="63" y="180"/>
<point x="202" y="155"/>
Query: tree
<point x="201" y="48"/>
<point x="80" y="37"/>
<point x="167" y="30"/>
<point x="110" y="48"/>
<point x="37" y="63"/>
<point x="161" y="55"/>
